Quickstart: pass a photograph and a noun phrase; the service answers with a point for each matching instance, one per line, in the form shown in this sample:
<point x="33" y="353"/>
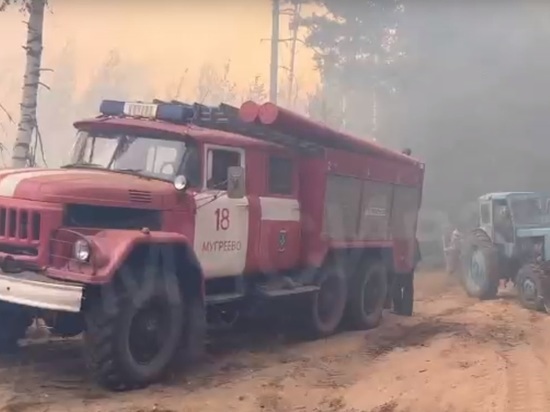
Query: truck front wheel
<point x="132" y="339"/>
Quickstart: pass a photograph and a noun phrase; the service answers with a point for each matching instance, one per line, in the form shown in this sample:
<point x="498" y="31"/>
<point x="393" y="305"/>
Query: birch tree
<point x="27" y="117"/>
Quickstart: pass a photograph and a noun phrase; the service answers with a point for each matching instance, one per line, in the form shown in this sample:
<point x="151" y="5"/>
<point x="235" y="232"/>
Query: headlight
<point x="180" y="183"/>
<point x="81" y="250"/>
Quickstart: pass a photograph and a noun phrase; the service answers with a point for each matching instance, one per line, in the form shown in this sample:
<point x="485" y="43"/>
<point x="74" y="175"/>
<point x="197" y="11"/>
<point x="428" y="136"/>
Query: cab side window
<point x="280" y="175"/>
<point x="219" y="160"/>
<point x="485" y="214"/>
<point x="502" y="220"/>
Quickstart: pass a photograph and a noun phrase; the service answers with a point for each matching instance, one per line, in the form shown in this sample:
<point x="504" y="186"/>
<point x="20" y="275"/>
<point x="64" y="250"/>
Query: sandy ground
<point x="454" y="355"/>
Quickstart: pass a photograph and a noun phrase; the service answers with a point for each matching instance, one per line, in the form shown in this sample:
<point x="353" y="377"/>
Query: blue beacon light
<point x="175" y="113"/>
<point x="111" y="108"/>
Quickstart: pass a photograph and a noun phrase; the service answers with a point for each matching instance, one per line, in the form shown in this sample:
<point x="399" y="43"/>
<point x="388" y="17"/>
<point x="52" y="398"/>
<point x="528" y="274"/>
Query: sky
<point x="168" y="39"/>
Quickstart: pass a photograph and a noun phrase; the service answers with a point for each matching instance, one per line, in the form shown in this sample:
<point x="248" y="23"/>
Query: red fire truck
<point x="172" y="213"/>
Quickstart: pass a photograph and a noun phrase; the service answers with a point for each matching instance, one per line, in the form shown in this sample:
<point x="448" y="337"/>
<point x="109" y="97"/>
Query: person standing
<point x="452" y="252"/>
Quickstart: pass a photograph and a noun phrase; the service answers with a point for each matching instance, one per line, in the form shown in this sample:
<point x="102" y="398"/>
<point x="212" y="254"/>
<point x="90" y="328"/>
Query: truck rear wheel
<point x="528" y="282"/>
<point x="327" y="306"/>
<point x="367" y="296"/>
<point x="480" y="274"/>
<point x="132" y="342"/>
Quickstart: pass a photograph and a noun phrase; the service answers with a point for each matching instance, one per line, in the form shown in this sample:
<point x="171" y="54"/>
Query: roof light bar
<point x="170" y="112"/>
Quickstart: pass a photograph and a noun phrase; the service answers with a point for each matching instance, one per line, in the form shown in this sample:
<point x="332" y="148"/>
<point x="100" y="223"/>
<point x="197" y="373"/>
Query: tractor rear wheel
<point x="480" y="276"/>
<point x="529" y="287"/>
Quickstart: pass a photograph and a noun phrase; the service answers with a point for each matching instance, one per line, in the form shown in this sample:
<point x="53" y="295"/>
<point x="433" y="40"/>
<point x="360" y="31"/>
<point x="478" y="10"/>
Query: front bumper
<point x="38" y="291"/>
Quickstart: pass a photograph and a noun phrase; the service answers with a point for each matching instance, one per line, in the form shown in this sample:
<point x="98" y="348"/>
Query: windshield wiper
<point x="128" y="170"/>
<point x="83" y="165"/>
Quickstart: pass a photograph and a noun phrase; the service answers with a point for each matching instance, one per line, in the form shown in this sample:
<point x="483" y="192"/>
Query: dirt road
<point x="455" y="355"/>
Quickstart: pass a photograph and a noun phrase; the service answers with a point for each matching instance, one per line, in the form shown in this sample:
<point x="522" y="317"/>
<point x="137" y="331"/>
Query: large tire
<point x="132" y="340"/>
<point x="15" y="322"/>
<point x="529" y="287"/>
<point x="325" y="309"/>
<point x="480" y="274"/>
<point x="368" y="290"/>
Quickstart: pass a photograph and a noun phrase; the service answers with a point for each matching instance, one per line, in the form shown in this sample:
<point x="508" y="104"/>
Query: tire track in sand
<point x="526" y="380"/>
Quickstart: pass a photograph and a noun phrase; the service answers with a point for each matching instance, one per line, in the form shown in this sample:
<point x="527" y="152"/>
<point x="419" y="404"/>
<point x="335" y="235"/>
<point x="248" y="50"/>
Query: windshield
<point x="132" y="153"/>
<point x="528" y="211"/>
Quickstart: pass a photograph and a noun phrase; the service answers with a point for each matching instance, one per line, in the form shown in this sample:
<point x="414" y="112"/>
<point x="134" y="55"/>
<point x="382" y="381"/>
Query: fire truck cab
<point x="172" y="213"/>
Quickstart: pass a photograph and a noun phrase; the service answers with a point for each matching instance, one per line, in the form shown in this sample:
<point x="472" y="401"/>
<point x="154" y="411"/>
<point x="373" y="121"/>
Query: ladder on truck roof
<point x="274" y="124"/>
<point x="226" y="118"/>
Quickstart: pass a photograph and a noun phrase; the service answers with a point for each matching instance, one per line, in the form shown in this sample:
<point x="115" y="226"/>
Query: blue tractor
<point x="511" y="242"/>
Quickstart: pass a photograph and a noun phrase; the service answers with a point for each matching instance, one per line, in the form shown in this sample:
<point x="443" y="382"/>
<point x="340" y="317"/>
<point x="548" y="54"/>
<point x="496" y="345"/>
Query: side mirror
<point x="236" y="188"/>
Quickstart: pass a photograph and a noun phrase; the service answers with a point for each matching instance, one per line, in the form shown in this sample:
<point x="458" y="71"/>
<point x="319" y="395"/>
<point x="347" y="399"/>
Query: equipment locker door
<point x="280" y="229"/>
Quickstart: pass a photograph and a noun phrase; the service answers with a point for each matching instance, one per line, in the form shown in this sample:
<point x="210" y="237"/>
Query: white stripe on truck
<point x="280" y="209"/>
<point x="8" y="184"/>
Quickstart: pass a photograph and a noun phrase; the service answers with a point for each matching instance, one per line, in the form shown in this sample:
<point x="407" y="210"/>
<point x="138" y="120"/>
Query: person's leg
<point x="407" y="302"/>
<point x="397" y="292"/>
<point x="389" y="294"/>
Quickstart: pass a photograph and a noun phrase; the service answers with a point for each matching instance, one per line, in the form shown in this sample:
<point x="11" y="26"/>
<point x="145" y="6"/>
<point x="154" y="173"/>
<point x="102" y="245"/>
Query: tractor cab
<point x="507" y="218"/>
<point x="511" y="242"/>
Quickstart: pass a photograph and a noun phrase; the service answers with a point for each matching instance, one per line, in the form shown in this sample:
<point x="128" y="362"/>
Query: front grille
<point x="140" y="196"/>
<point x="19" y="224"/>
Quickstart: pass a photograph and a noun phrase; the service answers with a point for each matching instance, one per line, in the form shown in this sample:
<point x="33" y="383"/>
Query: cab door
<point x="221" y="223"/>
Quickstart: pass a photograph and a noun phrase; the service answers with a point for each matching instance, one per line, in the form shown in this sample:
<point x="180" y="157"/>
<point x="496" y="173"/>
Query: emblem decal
<point x="282" y="240"/>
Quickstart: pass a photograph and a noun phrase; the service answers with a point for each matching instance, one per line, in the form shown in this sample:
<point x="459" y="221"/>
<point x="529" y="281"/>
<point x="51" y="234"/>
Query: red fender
<point x="110" y="248"/>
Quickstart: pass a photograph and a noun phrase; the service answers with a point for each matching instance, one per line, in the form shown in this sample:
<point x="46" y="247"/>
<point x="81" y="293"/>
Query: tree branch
<point x="10" y="118"/>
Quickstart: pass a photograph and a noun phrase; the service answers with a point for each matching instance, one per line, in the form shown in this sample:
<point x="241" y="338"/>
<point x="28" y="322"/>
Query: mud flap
<point x="194" y="339"/>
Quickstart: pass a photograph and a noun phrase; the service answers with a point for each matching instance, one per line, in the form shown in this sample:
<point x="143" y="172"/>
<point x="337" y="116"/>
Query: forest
<point x="464" y="84"/>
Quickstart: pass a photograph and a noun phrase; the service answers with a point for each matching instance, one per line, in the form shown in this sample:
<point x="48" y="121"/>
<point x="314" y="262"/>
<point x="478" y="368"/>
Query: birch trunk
<point x="27" y="117"/>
